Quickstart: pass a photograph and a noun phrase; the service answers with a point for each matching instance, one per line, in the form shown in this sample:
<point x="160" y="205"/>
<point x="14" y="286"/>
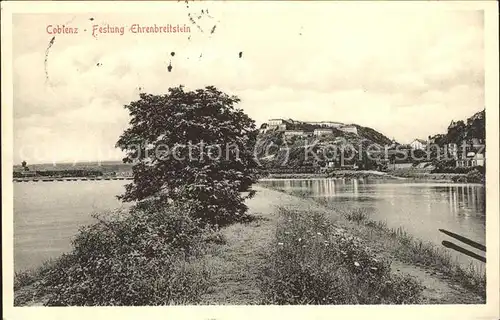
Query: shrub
<point x="475" y="176"/>
<point x="147" y="256"/>
<point x="313" y="263"/>
<point x="357" y="215"/>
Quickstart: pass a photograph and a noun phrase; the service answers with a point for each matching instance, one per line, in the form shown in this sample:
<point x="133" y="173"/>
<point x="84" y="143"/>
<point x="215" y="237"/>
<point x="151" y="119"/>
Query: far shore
<point x="408" y="175"/>
<point x="371" y="174"/>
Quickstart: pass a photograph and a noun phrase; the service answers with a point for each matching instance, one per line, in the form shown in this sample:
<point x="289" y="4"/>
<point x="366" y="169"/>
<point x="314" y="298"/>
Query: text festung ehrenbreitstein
<point x="120" y="30"/>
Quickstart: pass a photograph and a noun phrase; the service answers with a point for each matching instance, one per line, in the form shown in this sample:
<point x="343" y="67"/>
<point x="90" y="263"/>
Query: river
<point x="419" y="208"/>
<point x="48" y="214"/>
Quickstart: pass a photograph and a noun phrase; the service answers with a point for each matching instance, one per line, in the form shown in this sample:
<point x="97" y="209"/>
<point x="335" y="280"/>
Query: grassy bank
<point x="473" y="176"/>
<point x="425" y="176"/>
<point x="401" y="174"/>
<point x="400" y="245"/>
<point x="312" y="262"/>
<point x="361" y="174"/>
<point x="333" y="174"/>
<point x="149" y="255"/>
<point x="295" y="176"/>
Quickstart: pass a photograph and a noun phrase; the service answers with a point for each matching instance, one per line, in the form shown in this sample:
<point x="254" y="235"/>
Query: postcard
<point x="250" y="159"/>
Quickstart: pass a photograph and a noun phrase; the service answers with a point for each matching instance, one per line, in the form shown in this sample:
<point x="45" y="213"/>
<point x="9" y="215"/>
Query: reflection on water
<point x="420" y="208"/>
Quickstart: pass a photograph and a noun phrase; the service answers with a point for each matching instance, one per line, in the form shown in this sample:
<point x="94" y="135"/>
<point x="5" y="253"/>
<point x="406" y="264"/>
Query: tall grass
<point x="410" y="249"/>
<point x="357" y="215"/>
<point x="416" y="251"/>
<point x="311" y="262"/>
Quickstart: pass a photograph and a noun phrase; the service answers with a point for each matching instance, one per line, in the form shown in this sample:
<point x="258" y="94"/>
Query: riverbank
<point x="414" y="175"/>
<point x="65" y="179"/>
<point x="424" y="260"/>
<point x="242" y="251"/>
<point x="347" y="174"/>
<point x="245" y="253"/>
<point x="426" y="176"/>
<point x="409" y="175"/>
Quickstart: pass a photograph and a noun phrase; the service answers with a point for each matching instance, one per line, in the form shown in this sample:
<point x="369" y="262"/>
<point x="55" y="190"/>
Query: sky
<point x="405" y="73"/>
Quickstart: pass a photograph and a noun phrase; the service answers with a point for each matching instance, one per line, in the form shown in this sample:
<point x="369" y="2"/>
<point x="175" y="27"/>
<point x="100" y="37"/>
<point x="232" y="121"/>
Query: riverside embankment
<point x="236" y="263"/>
<point x="240" y="259"/>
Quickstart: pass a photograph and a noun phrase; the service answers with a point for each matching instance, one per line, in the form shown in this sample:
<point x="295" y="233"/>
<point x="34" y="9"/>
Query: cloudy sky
<point x="405" y="73"/>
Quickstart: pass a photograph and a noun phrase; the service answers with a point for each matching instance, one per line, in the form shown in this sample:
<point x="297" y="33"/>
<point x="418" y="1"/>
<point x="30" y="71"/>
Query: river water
<point x="419" y="208"/>
<point x="48" y="214"/>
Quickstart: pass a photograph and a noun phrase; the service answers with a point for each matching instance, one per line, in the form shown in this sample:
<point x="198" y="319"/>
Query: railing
<point x="467" y="241"/>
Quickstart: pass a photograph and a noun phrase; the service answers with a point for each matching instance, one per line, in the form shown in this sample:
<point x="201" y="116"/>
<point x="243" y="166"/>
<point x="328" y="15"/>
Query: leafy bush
<point x="475" y="176"/>
<point x="148" y="256"/>
<point x="313" y="263"/>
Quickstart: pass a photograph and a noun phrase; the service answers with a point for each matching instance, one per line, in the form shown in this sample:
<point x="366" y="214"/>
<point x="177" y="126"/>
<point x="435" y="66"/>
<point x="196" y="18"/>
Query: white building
<point x="322" y="132"/>
<point x="329" y="124"/>
<point x="453" y="150"/>
<point x="274" y="122"/>
<point x="282" y="127"/>
<point x="349" y="128"/>
<point x="472" y="160"/>
<point x="291" y="133"/>
<point x="418" y="144"/>
<point x="478" y="160"/>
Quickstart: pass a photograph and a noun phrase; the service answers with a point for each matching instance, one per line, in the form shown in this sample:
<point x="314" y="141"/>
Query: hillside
<point x="459" y="131"/>
<point x="274" y="148"/>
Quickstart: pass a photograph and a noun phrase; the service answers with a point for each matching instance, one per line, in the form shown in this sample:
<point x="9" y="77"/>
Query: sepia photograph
<point x="245" y="153"/>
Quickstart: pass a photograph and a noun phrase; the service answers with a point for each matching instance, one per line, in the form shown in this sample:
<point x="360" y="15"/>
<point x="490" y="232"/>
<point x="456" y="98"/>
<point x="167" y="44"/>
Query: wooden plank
<point x="453" y="246"/>
<point x="464" y="240"/>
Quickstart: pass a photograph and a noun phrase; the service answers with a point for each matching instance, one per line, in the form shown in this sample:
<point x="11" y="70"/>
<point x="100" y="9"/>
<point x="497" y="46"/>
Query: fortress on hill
<point x="319" y="128"/>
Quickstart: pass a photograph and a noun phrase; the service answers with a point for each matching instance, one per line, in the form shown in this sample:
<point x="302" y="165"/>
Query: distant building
<point x="418" y="144"/>
<point x="322" y="132"/>
<point x="393" y="144"/>
<point x="471" y="160"/>
<point x="329" y="124"/>
<point x="452" y="125"/>
<point x="282" y="127"/>
<point x="275" y="122"/>
<point x="478" y="160"/>
<point x="349" y="128"/>
<point x="453" y="150"/>
<point x="435" y="139"/>
<point x="405" y="165"/>
<point x="294" y="133"/>
<point x="476" y="142"/>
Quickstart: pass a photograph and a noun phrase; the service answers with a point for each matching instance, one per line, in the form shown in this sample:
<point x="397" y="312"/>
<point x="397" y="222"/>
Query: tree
<point x="192" y="147"/>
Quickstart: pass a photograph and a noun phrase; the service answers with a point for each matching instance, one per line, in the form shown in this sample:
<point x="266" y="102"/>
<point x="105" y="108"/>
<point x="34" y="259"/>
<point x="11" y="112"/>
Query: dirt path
<point x="438" y="289"/>
<point x="236" y="264"/>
